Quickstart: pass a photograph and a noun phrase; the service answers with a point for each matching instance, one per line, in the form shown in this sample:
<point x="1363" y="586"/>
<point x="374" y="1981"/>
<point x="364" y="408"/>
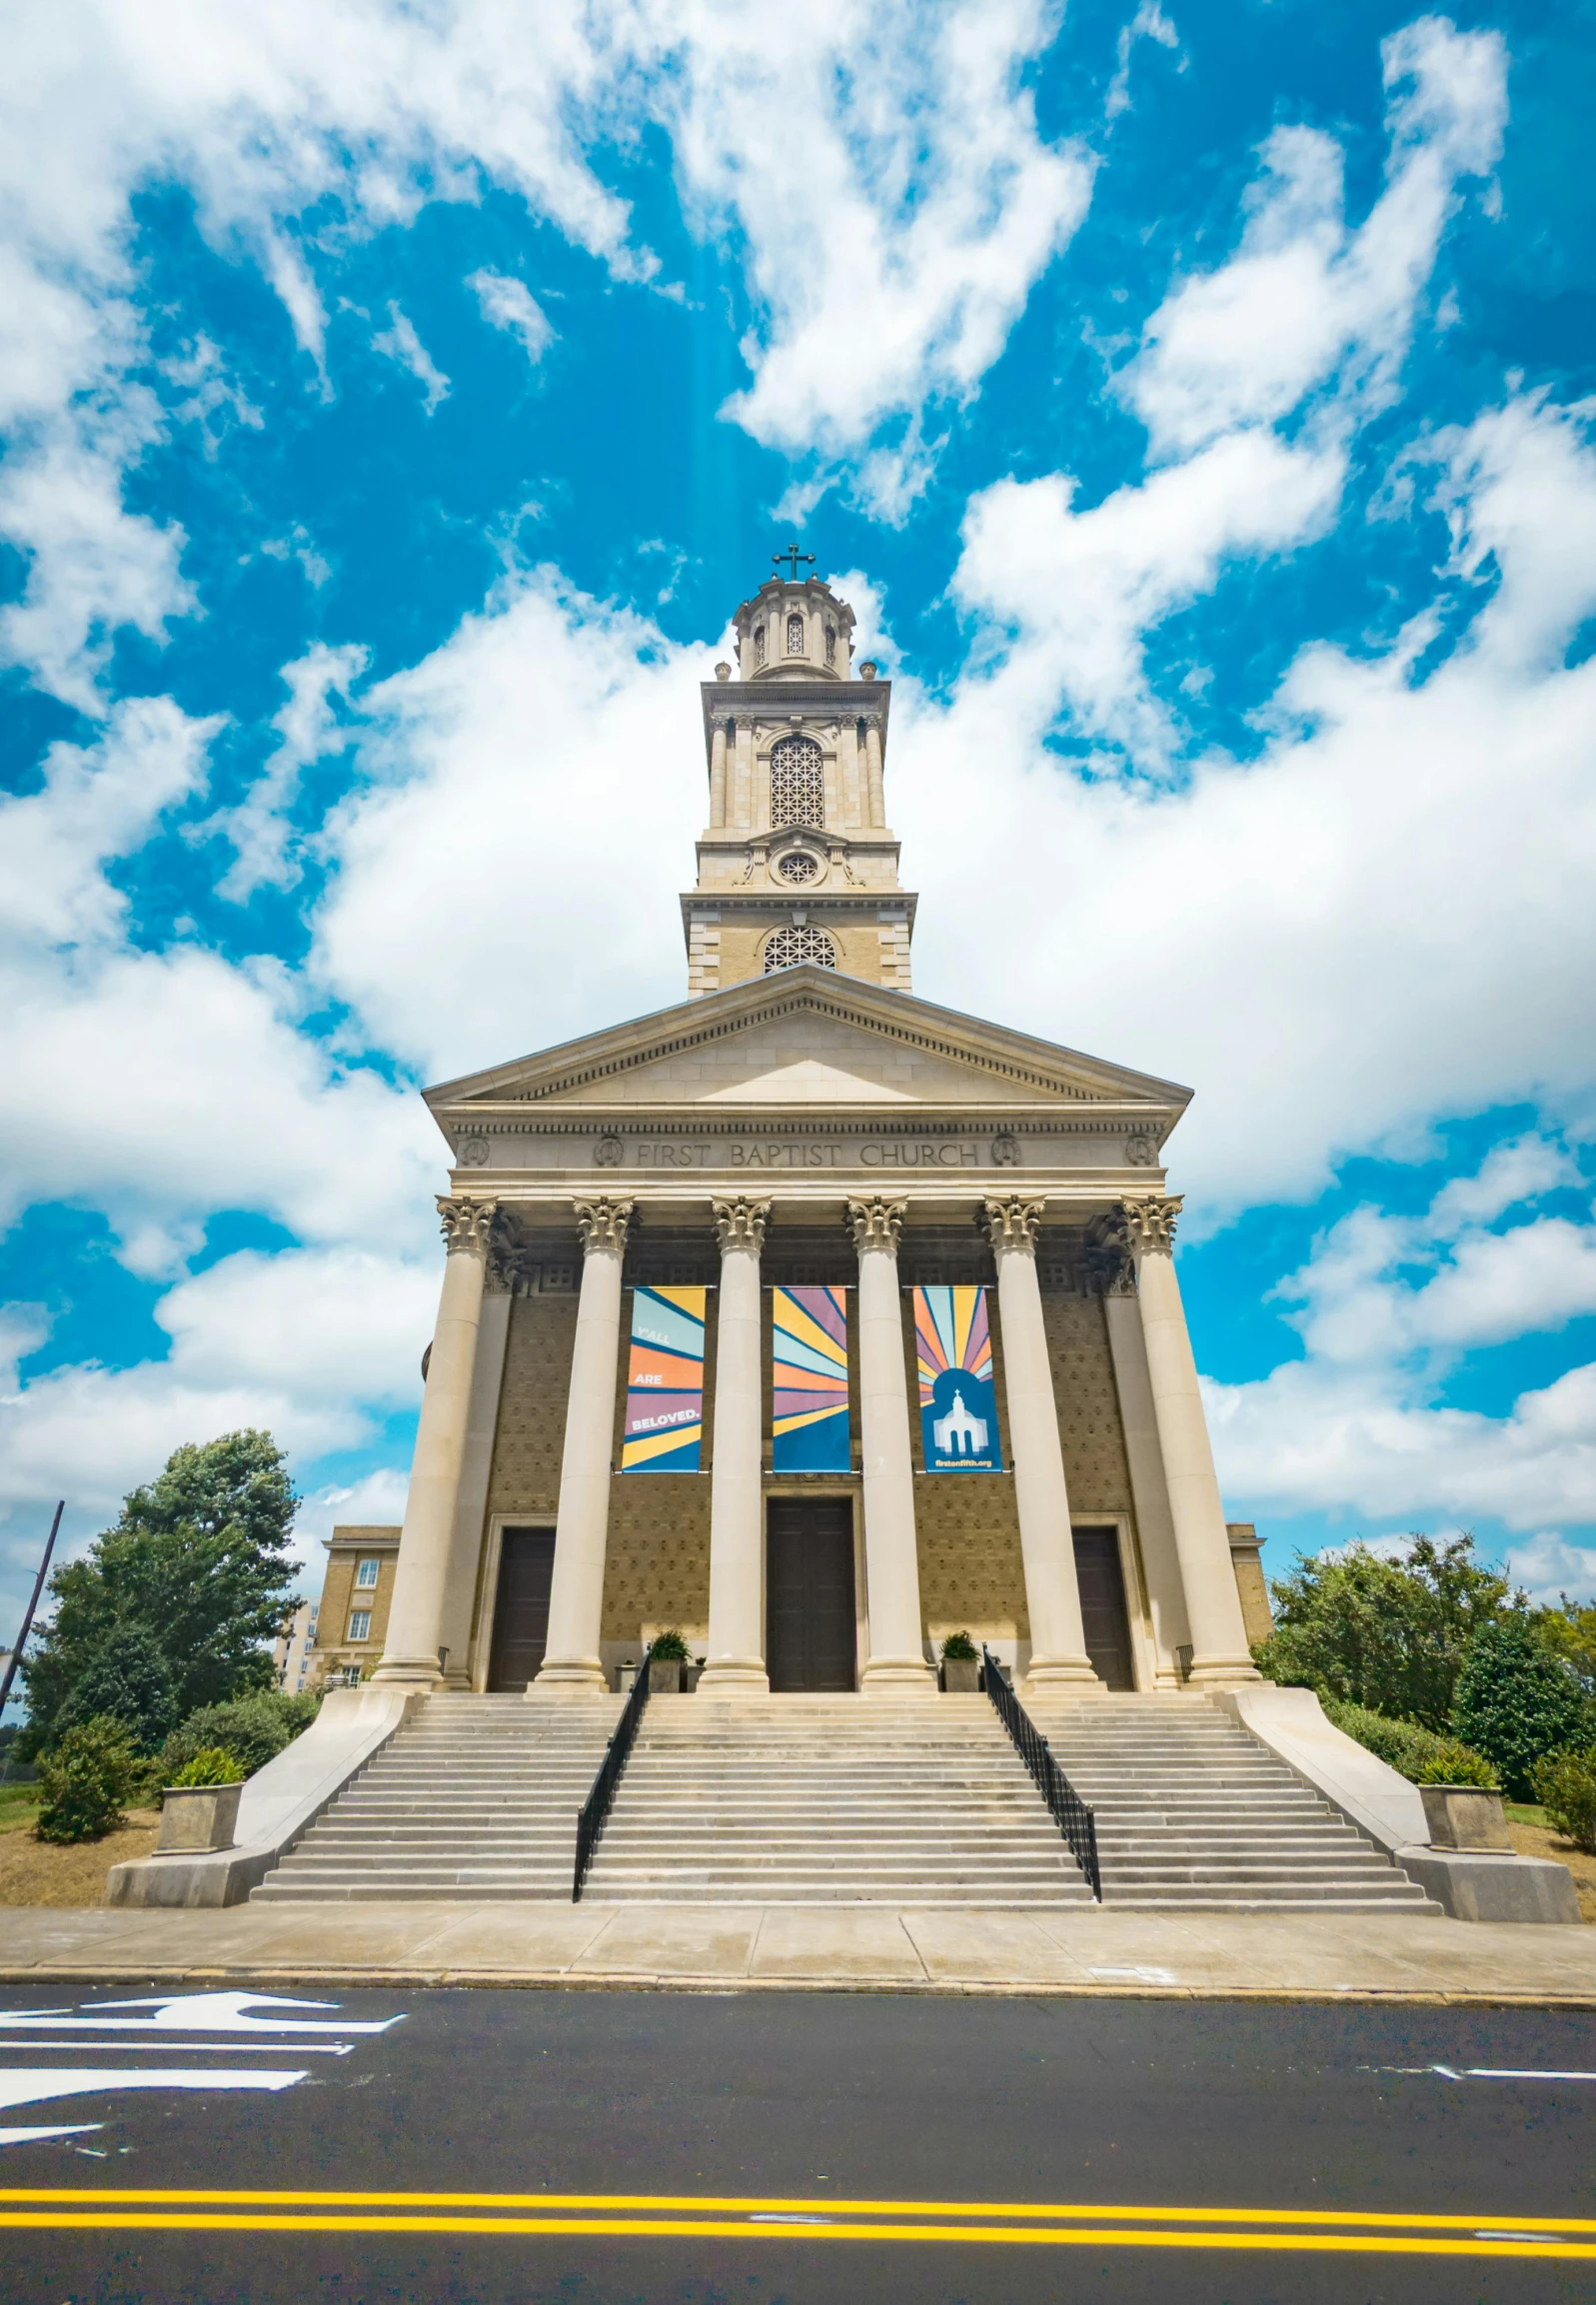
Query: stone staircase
<point x="803" y="1800"/>
<point x="1191" y="1811"/>
<point x="476" y="1797"/>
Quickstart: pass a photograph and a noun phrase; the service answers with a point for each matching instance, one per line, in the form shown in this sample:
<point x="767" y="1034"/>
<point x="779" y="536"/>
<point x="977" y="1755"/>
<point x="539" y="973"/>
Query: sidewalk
<point x="815" y="1948"/>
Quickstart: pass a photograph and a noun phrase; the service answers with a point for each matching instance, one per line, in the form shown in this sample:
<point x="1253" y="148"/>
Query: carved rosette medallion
<point x="1147" y="1222"/>
<point x="1011" y="1224"/>
<point x="1141" y="1151"/>
<point x="603" y="1224"/>
<point x="609" y="1153"/>
<point x="467" y="1225"/>
<point x="875" y="1224"/>
<point x="741" y="1223"/>
<point x="1006" y="1150"/>
<point x="473" y="1153"/>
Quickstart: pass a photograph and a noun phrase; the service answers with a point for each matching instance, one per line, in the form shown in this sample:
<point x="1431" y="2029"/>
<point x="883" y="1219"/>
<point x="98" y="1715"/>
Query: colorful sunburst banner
<point x="958" y="1395"/>
<point x="665" y="1381"/>
<point x="809" y="1352"/>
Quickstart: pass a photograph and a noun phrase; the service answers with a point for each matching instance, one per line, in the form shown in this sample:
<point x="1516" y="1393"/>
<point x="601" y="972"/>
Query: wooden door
<point x="810" y="1636"/>
<point x="1102" y="1605"/>
<point x="521" y="1613"/>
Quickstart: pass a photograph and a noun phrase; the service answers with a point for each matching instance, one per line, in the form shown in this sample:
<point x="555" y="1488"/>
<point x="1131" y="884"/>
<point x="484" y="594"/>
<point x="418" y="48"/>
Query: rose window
<point x="797" y="783"/>
<point x="799" y="865"/>
<point x="788" y="948"/>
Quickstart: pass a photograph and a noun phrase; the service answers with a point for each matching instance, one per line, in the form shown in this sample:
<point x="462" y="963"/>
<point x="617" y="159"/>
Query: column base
<point x="409" y="1672"/>
<point x="1222" y="1673"/>
<point x="457" y="1683"/>
<point x="569" y="1676"/>
<point x="733" y="1677"/>
<point x="1046" y="1675"/>
<point x="897" y="1676"/>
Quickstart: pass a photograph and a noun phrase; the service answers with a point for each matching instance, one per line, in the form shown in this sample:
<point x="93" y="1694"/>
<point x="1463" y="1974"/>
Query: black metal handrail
<point x="590" y="1816"/>
<point x="1075" y="1821"/>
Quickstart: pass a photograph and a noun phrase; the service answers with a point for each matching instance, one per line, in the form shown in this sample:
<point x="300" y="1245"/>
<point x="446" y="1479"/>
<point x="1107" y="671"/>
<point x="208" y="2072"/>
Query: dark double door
<point x="521" y="1611"/>
<point x="810" y="1630"/>
<point x="1104" y="1612"/>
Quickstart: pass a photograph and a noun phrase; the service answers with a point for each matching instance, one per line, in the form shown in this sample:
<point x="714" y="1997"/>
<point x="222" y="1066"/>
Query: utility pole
<point x="27" y="1622"/>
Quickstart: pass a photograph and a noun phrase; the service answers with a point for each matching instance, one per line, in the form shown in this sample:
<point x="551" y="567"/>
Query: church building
<point x="806" y="1317"/>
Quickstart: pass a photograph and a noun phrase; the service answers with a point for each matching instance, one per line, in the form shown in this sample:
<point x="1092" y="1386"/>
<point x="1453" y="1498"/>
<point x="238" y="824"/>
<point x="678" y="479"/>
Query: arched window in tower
<point x="790" y="946"/>
<point x="794" y="635"/>
<point x="797" y="783"/>
<point x="831" y="643"/>
<point x="759" y="645"/>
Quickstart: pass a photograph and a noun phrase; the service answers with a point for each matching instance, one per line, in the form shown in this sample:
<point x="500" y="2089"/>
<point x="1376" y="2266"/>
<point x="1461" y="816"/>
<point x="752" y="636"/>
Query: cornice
<point x="514" y="1120"/>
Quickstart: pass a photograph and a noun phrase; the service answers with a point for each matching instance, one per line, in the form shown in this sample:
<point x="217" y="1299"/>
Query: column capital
<point x="603" y="1223"/>
<point x="466" y="1225"/>
<point x="1147" y="1220"/>
<point x="875" y="1224"/>
<point x="1013" y="1223"/>
<point x="741" y="1223"/>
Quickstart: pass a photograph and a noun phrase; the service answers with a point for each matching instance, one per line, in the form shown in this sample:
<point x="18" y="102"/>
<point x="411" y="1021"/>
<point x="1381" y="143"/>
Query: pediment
<point x="808" y="1041"/>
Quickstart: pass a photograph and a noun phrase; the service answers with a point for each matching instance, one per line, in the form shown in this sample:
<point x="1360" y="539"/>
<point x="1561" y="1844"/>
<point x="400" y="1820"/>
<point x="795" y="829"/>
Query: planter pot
<point x="960" y="1676"/>
<point x="1465" y="1817"/>
<point x="690" y="1677"/>
<point x="625" y="1678"/>
<point x="665" y="1677"/>
<point x="195" y="1818"/>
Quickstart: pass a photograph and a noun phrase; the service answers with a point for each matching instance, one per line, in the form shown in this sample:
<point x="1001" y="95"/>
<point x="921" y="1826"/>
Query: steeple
<point x="797" y="862"/>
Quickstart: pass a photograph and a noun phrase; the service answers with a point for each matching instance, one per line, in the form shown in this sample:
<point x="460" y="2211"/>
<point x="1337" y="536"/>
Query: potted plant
<point x="960" y="1666"/>
<point x="1465" y="1817"/>
<point x="692" y="1673"/>
<point x="669" y="1655"/>
<point x="199" y="1810"/>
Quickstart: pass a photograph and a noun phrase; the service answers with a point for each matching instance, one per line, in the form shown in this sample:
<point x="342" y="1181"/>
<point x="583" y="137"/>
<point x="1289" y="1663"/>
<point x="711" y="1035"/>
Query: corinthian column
<point x="415" y="1621"/>
<point x="571" y="1665"/>
<point x="1221" y="1657"/>
<point x="896" y="1665"/>
<point x="718" y="774"/>
<point x="736" y="1647"/>
<point x="1046" y="1542"/>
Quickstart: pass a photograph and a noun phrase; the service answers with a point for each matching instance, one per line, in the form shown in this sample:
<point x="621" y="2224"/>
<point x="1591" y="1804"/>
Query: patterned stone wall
<point x="532" y="1406"/>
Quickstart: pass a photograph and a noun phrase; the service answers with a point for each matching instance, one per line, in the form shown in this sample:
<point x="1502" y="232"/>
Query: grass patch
<point x="1525" y="1814"/>
<point x="19" y="1805"/>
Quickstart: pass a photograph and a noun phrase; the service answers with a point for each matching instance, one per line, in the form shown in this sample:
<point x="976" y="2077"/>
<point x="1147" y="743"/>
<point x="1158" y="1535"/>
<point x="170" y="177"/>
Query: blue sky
<point x="1191" y="400"/>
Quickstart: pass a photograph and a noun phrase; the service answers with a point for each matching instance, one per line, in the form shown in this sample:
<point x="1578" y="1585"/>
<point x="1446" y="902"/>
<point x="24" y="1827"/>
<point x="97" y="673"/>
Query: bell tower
<point x="797" y="862"/>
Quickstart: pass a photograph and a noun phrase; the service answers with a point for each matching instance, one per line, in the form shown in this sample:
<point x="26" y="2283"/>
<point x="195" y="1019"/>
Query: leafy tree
<point x="1387" y="1634"/>
<point x="84" y="1782"/>
<point x="1517" y="1702"/>
<point x="1565" y="1785"/>
<point x="197" y="1559"/>
<point x="1570" y="1632"/>
<point x="126" y="1678"/>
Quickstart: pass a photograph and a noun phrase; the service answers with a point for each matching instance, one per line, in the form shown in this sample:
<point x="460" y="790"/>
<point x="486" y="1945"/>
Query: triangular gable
<point x="808" y="1038"/>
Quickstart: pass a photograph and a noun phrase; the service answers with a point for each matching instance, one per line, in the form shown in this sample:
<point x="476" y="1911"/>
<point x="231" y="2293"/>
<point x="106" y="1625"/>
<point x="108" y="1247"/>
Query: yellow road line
<point x="1079" y="2236"/>
<point x="702" y="2205"/>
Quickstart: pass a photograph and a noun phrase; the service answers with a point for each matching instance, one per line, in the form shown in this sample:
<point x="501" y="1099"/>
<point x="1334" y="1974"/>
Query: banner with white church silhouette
<point x="958" y="1394"/>
<point x="808" y="1375"/>
<point x="664" y="1430"/>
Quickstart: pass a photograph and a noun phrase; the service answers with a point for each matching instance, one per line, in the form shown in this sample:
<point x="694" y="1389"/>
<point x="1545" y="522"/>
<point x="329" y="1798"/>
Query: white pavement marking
<point x="32" y="2136"/>
<point x="195" y="2013"/>
<point x="169" y="2048"/>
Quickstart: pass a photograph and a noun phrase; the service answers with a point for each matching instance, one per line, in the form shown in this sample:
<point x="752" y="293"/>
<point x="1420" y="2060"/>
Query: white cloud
<point x="308" y="730"/>
<point x="511" y="305"/>
<point x="324" y="1323"/>
<point x="1548" y="1567"/>
<point x="399" y="341"/>
<point x="375" y="1501"/>
<point x="497" y="878"/>
<point x="1303" y="298"/>
<point x="1148" y="23"/>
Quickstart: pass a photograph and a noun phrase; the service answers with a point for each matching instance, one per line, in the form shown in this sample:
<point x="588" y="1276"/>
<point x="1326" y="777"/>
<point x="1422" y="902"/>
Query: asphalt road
<point x="599" y="2148"/>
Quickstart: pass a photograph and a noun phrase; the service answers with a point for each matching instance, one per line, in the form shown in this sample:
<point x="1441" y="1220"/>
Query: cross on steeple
<point x="793" y="555"/>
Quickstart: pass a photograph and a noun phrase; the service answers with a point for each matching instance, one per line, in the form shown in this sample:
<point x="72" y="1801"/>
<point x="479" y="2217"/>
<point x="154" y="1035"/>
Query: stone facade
<point x="814" y="1123"/>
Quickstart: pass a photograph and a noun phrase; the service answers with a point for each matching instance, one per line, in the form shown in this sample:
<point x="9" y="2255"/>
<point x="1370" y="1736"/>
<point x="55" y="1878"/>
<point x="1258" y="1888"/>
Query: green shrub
<point x="1565" y="1785"/>
<point x="252" y="1730"/>
<point x="670" y="1648"/>
<point x="958" y="1648"/>
<point x="84" y="1782"/>
<point x="209" y="1766"/>
<point x="1516" y="1701"/>
<point x="1414" y="1752"/>
<point x="123" y="1677"/>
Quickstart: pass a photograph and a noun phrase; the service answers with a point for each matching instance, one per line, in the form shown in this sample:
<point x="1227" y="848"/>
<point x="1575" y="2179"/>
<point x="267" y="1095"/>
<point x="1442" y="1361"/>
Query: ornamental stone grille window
<point x="758" y="644"/>
<point x="794" y="636"/>
<point x="831" y="643"/>
<point x="797" y="783"/>
<point x="800" y="865"/>
<point x="788" y="948"/>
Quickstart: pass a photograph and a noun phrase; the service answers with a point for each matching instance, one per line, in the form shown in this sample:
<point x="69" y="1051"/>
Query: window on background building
<point x="787" y="946"/>
<point x="359" y="1624"/>
<point x="794" y="636"/>
<point x="797" y="783"/>
<point x="366" y="1574"/>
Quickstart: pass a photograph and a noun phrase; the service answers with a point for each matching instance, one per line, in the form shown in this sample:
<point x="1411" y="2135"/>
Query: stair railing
<point x="1075" y="1821"/>
<point x="596" y="1808"/>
